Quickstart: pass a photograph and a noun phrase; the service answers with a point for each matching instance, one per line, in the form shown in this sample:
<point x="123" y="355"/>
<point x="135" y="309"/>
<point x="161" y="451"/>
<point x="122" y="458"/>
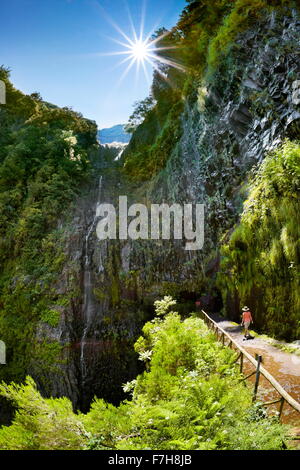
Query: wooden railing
<point x="259" y="370"/>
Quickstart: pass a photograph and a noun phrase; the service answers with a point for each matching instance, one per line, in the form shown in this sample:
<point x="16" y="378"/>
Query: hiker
<point x="247" y="320"/>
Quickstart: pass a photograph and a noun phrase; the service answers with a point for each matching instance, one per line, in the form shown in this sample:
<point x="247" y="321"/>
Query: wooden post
<point x="242" y="363"/>
<point x="259" y="361"/>
<point x="281" y="407"/>
<point x="223" y="338"/>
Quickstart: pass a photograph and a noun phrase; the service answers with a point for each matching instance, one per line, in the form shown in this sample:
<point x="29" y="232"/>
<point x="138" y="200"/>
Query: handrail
<point x="290" y="400"/>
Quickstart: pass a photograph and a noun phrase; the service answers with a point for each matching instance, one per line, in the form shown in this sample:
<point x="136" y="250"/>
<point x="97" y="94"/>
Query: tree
<point x="141" y="110"/>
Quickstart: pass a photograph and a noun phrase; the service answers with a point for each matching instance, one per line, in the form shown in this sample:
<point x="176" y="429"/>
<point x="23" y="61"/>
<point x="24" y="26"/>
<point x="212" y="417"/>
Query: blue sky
<point x="59" y="47"/>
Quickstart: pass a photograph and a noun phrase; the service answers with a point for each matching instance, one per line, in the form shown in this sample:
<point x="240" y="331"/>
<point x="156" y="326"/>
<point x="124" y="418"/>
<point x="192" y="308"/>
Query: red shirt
<point x="247" y="317"/>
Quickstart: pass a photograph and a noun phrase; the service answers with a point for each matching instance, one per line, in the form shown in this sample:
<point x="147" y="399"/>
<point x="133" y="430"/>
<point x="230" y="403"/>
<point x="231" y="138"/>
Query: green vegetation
<point x="140" y="112"/>
<point x="209" y="29"/>
<point x="189" y="398"/>
<point x="44" y="153"/>
<point x="40" y="424"/>
<point x="261" y="259"/>
<point x="148" y="160"/>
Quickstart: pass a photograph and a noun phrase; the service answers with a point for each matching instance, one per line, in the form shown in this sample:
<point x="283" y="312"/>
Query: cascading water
<point x="88" y="309"/>
<point x="104" y="357"/>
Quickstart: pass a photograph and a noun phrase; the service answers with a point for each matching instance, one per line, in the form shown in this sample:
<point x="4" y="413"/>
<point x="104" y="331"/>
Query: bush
<point x="189" y="398"/>
<point x="40" y="423"/>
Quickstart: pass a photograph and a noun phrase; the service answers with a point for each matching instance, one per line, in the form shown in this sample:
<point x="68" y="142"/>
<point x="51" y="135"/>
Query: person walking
<point x="246" y="321"/>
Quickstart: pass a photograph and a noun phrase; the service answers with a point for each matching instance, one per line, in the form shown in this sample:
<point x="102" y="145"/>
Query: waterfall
<point x="119" y="155"/>
<point x="88" y="306"/>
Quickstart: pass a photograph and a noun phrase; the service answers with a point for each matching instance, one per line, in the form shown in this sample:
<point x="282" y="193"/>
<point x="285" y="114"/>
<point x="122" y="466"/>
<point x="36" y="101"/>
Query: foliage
<point x="208" y="30"/>
<point x="147" y="160"/>
<point x="40" y="423"/>
<point x="243" y="13"/>
<point x="44" y="154"/>
<point x="261" y="260"/>
<point x="190" y="398"/>
<point x="141" y="109"/>
<point x="162" y="306"/>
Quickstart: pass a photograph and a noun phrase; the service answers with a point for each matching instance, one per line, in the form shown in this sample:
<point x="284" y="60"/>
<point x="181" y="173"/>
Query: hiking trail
<point x="284" y="366"/>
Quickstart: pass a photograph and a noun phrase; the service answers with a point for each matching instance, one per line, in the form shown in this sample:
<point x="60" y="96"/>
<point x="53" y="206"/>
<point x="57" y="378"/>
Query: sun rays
<point x="140" y="50"/>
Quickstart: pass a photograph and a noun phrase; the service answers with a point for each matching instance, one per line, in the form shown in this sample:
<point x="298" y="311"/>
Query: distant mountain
<point x="114" y="134"/>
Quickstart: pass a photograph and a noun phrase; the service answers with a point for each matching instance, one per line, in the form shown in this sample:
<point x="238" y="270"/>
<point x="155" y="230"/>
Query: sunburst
<point x="140" y="50"/>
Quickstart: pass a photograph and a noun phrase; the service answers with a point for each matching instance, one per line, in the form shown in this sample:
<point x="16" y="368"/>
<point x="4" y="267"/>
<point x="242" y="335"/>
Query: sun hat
<point x="246" y="309"/>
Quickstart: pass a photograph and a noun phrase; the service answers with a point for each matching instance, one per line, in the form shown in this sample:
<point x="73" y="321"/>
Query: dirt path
<point x="285" y="367"/>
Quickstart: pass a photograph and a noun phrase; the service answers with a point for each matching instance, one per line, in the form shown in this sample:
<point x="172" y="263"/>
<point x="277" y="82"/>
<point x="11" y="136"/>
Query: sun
<point x="140" y="50"/>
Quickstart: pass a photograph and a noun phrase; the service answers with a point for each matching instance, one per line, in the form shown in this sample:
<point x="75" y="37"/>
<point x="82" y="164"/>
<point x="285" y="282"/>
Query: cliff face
<point x="226" y="129"/>
<point x="100" y="321"/>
